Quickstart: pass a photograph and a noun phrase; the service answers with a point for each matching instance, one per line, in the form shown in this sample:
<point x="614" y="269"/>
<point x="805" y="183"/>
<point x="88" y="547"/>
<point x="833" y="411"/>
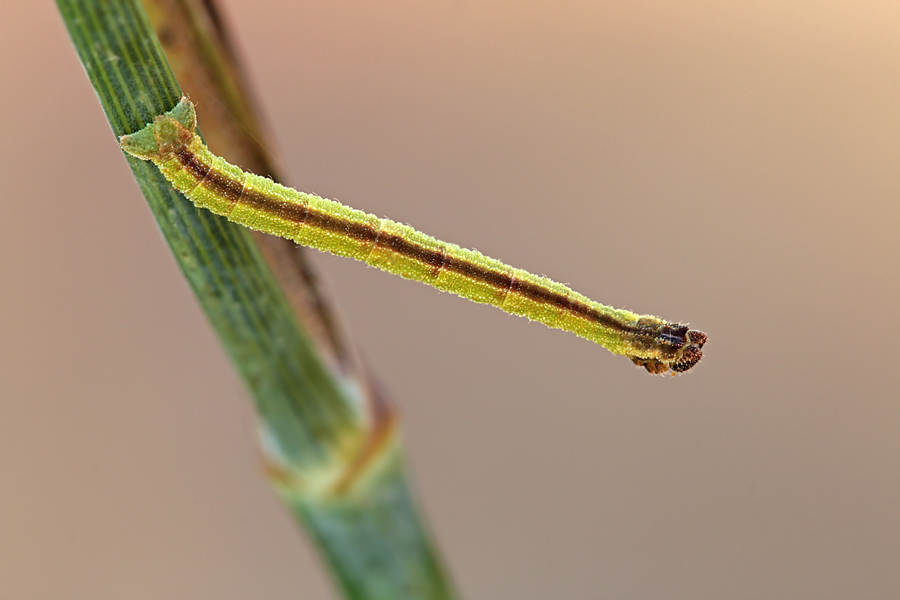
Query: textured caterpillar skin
<point x="259" y="203"/>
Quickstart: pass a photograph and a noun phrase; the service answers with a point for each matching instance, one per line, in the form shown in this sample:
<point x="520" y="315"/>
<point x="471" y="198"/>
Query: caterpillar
<point x="259" y="203"/>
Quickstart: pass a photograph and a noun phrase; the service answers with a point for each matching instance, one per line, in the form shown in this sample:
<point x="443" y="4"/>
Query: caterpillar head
<point x="689" y="354"/>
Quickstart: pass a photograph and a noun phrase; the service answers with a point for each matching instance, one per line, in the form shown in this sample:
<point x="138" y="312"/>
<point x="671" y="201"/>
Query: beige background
<point x="732" y="164"/>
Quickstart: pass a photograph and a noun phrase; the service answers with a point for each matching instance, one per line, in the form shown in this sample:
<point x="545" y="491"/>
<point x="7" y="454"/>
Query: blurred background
<point x="729" y="164"/>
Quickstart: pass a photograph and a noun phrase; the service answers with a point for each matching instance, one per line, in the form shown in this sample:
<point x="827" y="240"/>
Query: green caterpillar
<point x="259" y="203"/>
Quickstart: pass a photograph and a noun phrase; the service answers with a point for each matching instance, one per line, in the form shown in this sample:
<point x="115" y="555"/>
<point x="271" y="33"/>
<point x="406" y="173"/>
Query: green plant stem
<point x="335" y="460"/>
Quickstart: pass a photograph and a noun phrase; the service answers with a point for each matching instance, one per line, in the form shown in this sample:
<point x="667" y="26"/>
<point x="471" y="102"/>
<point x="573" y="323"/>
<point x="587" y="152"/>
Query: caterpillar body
<point x="259" y="203"/>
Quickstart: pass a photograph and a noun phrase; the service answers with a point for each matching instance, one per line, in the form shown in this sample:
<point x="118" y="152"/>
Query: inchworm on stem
<point x="259" y="203"/>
